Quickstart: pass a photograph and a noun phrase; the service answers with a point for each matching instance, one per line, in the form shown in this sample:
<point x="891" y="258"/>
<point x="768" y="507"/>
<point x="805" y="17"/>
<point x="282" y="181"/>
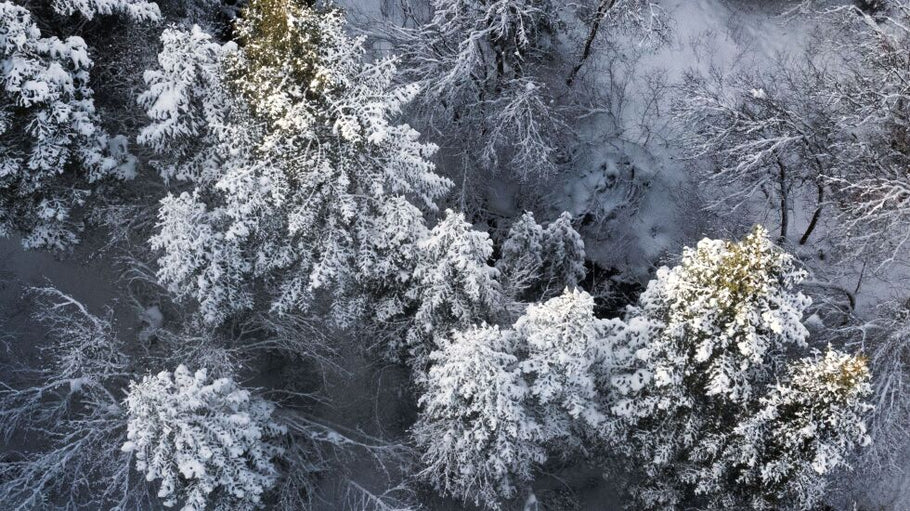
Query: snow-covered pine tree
<point x="735" y="304"/>
<point x="455" y="285"/>
<point x="521" y="256"/>
<point x="190" y="107"/>
<point x="563" y="256"/>
<point x="386" y="265"/>
<point x="704" y="341"/>
<point x="568" y="360"/>
<point x="478" y="442"/>
<point x="208" y="441"/>
<point x="497" y="401"/>
<point x="201" y="131"/>
<point x="53" y="150"/>
<point x="138" y="10"/>
<point x="537" y="263"/>
<point x="291" y="186"/>
<point x="804" y="429"/>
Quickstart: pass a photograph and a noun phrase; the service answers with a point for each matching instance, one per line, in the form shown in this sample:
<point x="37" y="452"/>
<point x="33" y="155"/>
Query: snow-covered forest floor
<point x="454" y="254"/>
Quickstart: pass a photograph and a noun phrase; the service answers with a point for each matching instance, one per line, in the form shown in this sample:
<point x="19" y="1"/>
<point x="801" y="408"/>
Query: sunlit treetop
<point x="724" y="312"/>
<point x="286" y="49"/>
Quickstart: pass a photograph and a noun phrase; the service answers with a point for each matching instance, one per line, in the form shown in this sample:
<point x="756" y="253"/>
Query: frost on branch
<point x="477" y="440"/>
<point x="889" y="357"/>
<point x="773" y="137"/>
<point x="69" y="407"/>
<point x="292" y="160"/>
<point x="53" y="151"/>
<point x="206" y="440"/>
<point x="474" y="63"/>
<point x="874" y="190"/>
<point x="486" y="72"/>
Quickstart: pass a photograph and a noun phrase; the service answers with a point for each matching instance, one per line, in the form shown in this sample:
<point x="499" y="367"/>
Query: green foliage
<point x="281" y="62"/>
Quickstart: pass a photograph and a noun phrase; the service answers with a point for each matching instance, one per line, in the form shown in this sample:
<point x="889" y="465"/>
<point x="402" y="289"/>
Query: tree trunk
<point x="784" y="200"/>
<point x="602" y="9"/>
<point x="815" y="216"/>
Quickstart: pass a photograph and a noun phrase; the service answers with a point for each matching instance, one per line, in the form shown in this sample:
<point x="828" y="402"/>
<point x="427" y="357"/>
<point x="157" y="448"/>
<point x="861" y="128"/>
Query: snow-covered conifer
<point x="727" y="309"/>
<point x="478" y="442"/>
<point x="196" y="251"/>
<point x="703" y="342"/>
<point x="567" y="357"/>
<point x="208" y="441"/>
<point x="387" y="263"/>
<point x="563" y="255"/>
<point x="189" y="107"/>
<point x="297" y="159"/>
<point x="538" y="263"/>
<point x="53" y="150"/>
<point x="138" y="10"/>
<point x="521" y="255"/>
<point x="456" y="286"/>
<point x="804" y="429"/>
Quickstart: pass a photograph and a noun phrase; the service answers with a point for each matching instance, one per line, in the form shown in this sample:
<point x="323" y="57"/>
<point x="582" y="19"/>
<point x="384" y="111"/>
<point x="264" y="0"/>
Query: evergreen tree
<point x="563" y="255"/>
<point x="521" y="258"/>
<point x="703" y="344"/>
<point x="456" y="286"/>
<point x="567" y="356"/>
<point x="478" y="443"/>
<point x="538" y="263"/>
<point x="297" y="156"/>
<point x="138" y="10"/>
<point x="53" y="150"/>
<point x="386" y="264"/>
<point x="804" y="429"/>
<point x="209" y="442"/>
<point x="191" y="108"/>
